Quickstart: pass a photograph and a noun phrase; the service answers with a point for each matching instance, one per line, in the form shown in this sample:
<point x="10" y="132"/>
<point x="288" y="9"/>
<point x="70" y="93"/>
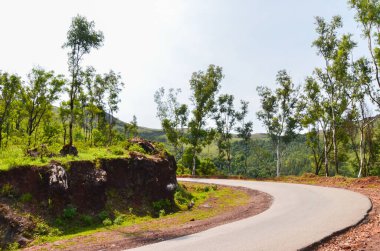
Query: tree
<point x="244" y="131"/>
<point x="278" y="113"/>
<point x="334" y="77"/>
<point x="204" y="87"/>
<point x="113" y="86"/>
<point x="313" y="112"/>
<point x="81" y="38"/>
<point x="10" y="86"/>
<point x="361" y="77"/>
<point x="173" y="117"/>
<point x="39" y="94"/>
<point x="368" y="16"/>
<point x="131" y="128"/>
<point x="225" y="119"/>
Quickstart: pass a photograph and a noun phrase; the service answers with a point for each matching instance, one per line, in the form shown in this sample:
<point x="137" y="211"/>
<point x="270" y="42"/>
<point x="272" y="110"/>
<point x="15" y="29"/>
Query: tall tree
<point x="334" y="77"/>
<point x="225" y="120"/>
<point x="204" y="87"/>
<point x="113" y="86"/>
<point x="368" y="16"/>
<point x="41" y="91"/>
<point x="244" y="130"/>
<point x="173" y="117"/>
<point x="313" y="112"/>
<point x="277" y="113"/>
<point x="359" y="91"/>
<point x="81" y="38"/>
<point x="10" y="86"/>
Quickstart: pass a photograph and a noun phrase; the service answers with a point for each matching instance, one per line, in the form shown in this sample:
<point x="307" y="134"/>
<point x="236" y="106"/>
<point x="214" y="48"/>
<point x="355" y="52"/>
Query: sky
<point x="160" y="43"/>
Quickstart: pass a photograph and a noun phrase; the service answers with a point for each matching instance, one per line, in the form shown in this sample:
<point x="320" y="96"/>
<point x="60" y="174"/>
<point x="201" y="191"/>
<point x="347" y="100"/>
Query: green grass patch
<point x="15" y="156"/>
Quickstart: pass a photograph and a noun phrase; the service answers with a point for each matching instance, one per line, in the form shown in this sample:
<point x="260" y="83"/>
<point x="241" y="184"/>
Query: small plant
<point x="87" y="219"/>
<point x="107" y="222"/>
<point x="182" y="196"/>
<point x="69" y="212"/>
<point x="159" y="205"/>
<point x="7" y="190"/>
<point x="120" y="219"/>
<point x="162" y="213"/>
<point x="136" y="148"/>
<point x="117" y="151"/>
<point x="13" y="246"/>
<point x="103" y="215"/>
<point x="42" y="229"/>
<point x="26" y="197"/>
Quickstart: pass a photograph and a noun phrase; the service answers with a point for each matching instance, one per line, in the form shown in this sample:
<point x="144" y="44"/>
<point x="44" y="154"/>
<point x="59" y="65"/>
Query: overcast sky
<point x="155" y="43"/>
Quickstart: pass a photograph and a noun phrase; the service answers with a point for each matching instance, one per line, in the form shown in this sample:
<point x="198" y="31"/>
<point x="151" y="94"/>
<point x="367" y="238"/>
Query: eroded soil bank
<point x="30" y="195"/>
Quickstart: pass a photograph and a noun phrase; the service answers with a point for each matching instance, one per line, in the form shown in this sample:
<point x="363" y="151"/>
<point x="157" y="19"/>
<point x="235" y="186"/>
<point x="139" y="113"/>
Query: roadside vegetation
<point x="186" y="208"/>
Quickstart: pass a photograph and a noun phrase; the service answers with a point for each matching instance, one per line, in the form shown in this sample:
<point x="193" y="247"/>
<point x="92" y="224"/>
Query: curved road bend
<point x="299" y="216"/>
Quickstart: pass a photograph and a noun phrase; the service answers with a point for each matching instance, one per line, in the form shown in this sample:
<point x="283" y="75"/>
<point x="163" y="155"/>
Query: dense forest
<point x="327" y="125"/>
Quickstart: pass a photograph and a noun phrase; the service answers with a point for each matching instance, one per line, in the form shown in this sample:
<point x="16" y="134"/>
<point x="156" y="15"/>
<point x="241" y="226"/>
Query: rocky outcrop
<point x="89" y="185"/>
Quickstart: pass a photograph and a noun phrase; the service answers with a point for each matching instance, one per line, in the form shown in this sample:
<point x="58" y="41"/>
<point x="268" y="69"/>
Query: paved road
<point x="299" y="216"/>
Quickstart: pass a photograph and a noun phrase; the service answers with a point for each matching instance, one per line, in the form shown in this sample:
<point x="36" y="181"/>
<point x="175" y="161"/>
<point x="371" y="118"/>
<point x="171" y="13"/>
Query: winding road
<point x="300" y="215"/>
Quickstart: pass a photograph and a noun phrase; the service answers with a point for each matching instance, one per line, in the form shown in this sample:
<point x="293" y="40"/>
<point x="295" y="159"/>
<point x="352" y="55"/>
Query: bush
<point x="42" y="229"/>
<point x="103" y="215"/>
<point x="7" y="190"/>
<point x="107" y="222"/>
<point x="117" y="151"/>
<point x="69" y="212"/>
<point x="26" y="197"/>
<point x="161" y="205"/>
<point x="136" y="148"/>
<point x="120" y="219"/>
<point x="87" y="219"/>
<point x="182" y="196"/>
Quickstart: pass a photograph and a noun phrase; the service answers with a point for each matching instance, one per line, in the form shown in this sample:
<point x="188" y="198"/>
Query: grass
<point x="221" y="198"/>
<point x="15" y="156"/>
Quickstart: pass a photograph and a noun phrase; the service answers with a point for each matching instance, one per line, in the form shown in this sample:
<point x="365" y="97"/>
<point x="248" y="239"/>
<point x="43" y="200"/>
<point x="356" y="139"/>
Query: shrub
<point x="182" y="196"/>
<point x="161" y="205"/>
<point x="136" y="148"/>
<point x="103" y="215"/>
<point x="117" y="150"/>
<point x="26" y="197"/>
<point x="107" y="222"/>
<point x="120" y="219"/>
<point x="69" y="212"/>
<point x="87" y="219"/>
<point x="7" y="190"/>
<point x="42" y="229"/>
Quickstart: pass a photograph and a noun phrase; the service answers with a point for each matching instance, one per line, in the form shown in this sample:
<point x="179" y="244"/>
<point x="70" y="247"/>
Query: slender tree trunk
<point x="326" y="154"/>
<point x="335" y="146"/>
<point x="278" y="157"/>
<point x="71" y="122"/>
<point x="361" y="152"/>
<point x="194" y="164"/>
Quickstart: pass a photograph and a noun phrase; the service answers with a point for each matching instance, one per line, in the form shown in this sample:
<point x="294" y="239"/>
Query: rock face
<point x="89" y="186"/>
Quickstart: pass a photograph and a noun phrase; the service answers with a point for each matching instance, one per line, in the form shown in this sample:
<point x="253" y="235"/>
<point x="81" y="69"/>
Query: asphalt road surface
<point x="299" y="216"/>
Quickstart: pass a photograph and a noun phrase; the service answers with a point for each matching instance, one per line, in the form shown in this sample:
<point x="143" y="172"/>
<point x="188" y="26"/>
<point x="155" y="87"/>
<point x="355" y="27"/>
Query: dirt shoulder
<point x="167" y="227"/>
<point x="366" y="235"/>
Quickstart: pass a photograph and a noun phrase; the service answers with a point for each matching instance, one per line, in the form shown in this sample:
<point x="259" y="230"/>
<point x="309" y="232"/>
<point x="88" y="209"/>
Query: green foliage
<point x="107" y="222"/>
<point x="7" y="190"/>
<point x="182" y="196"/>
<point x="26" y="197"/>
<point x="103" y="215"/>
<point x="88" y="220"/>
<point x="135" y="148"/>
<point x="43" y="229"/>
<point x="161" y="206"/>
<point x="69" y="212"/>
